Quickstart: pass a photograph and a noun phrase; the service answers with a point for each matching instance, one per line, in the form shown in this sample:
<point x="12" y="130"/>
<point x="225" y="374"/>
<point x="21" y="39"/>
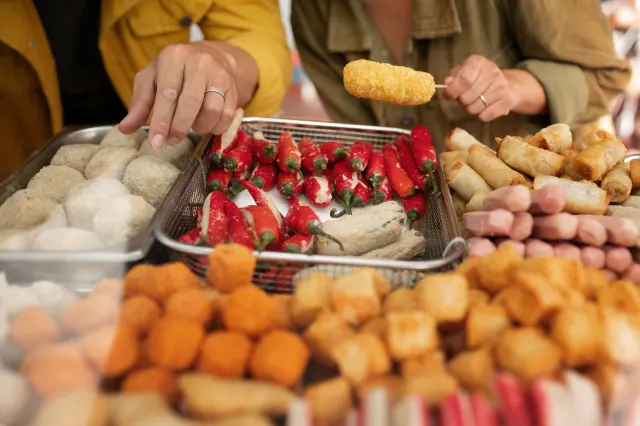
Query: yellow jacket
<point x="132" y="33"/>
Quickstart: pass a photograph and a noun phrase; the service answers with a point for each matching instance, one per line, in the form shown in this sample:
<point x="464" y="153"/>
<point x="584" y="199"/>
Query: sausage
<point x="561" y="226"/>
<point x="566" y="250"/>
<point x="515" y="199"/>
<point x="593" y="257"/>
<point x="632" y="274"/>
<point x="548" y="200"/>
<point x="620" y="231"/>
<point x="479" y="247"/>
<point x="522" y="226"/>
<point x="516" y="245"/>
<point x="591" y="232"/>
<point x="538" y="248"/>
<point x="619" y="259"/>
<point x="611" y="276"/>
<point x="488" y="224"/>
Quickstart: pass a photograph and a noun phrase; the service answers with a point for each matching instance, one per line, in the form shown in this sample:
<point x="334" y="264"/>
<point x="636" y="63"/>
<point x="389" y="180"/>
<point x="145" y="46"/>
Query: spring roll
<point x="582" y="197"/>
<point x="448" y="158"/>
<point x="529" y="159"/>
<point x="568" y="172"/>
<point x="617" y="183"/>
<point x="634" y="170"/>
<point x="460" y="139"/>
<point x="622" y="211"/>
<point x="555" y="138"/>
<point x="476" y="204"/>
<point x="465" y="181"/>
<point x="492" y="169"/>
<point x="591" y="139"/>
<point x="632" y="201"/>
<point x="458" y="205"/>
<point x="595" y="161"/>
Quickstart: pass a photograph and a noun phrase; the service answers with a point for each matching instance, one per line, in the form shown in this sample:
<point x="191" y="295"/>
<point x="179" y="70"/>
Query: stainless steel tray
<point x="440" y="227"/>
<point x="72" y="267"/>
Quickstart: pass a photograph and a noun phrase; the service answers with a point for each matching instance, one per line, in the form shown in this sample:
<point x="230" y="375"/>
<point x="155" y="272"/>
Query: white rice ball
<point x="76" y="156"/>
<point x="53" y="297"/>
<point x="115" y="138"/>
<point x="86" y="199"/>
<point x="25" y="209"/>
<point x="151" y="178"/>
<point x="66" y="239"/>
<point x="110" y="162"/>
<point x="17" y="298"/>
<point x="55" y="182"/>
<point x="15" y="240"/>
<point x="15" y="396"/>
<point x="178" y="154"/>
<point x="123" y="218"/>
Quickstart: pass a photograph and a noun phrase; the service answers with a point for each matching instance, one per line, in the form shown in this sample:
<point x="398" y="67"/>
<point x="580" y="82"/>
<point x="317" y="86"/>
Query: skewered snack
<point x="466" y="181"/>
<point x="634" y="169"/>
<point x="385" y="82"/>
<point x="492" y="169"/>
<point x="529" y="159"/>
<point x="595" y="161"/>
<point x="582" y="197"/>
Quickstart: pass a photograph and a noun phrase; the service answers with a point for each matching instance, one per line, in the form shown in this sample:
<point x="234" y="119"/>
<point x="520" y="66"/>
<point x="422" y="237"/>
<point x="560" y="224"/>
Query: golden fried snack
<point x="280" y="357"/>
<point x="466" y="181"/>
<point x="191" y="303"/>
<point x="432" y="386"/>
<point x="443" y="296"/>
<point x="402" y="299"/>
<point x="620" y="339"/>
<point x="174" y="342"/>
<point x="533" y="299"/>
<point x="617" y="183"/>
<point x="389" y="83"/>
<point x="139" y="313"/>
<point x="377" y="326"/>
<point x="595" y="161"/>
<point x="310" y="298"/>
<point x="460" y="139"/>
<point x="160" y="282"/>
<point x="283" y="319"/>
<point x="448" y="158"/>
<point x="592" y="138"/>
<point x="410" y="334"/>
<point x="152" y="380"/>
<point x="356" y="296"/>
<point x="328" y="330"/>
<point x="138" y="278"/>
<point x="231" y="266"/>
<point x="361" y="356"/>
<point x="494" y="269"/>
<point x="249" y="310"/>
<point x="58" y="369"/>
<point x="594" y="280"/>
<point x="621" y="295"/>
<point x="89" y="314"/>
<point x="578" y="333"/>
<point x="474" y="370"/>
<point x="77" y="408"/>
<point x="478" y="297"/>
<point x="33" y="327"/>
<point x="484" y="324"/>
<point x="329" y="401"/>
<point x="423" y="364"/>
<point x="527" y="353"/>
<point x="225" y="354"/>
<point x="634" y="171"/>
<point x="492" y="169"/>
<point x="468" y="268"/>
<point x="111" y="350"/>
<point x="476" y="203"/>
<point x="529" y="159"/>
<point x="109" y="287"/>
<point x="555" y="138"/>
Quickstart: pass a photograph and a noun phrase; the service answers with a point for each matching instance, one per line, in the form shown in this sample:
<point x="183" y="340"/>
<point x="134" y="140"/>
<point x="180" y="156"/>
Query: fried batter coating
<point x="310" y="298"/>
<point x="159" y="282"/>
<point x="33" y="327"/>
<point x="108" y="287"/>
<point x="225" y="354"/>
<point x="280" y="357"/>
<point x="283" y="320"/>
<point x="89" y="314"/>
<point x="58" y="369"/>
<point x="231" y="266"/>
<point x="385" y="82"/>
<point x="527" y="353"/>
<point x="330" y="400"/>
<point x="151" y="380"/>
<point x="249" y="310"/>
<point x="432" y="361"/>
<point x="578" y="333"/>
<point x="443" y="296"/>
<point x="493" y="271"/>
<point x="402" y="299"/>
<point x="139" y="313"/>
<point x="432" y="386"/>
<point x="328" y="330"/>
<point x="473" y="370"/>
<point x="192" y="303"/>
<point x="174" y="342"/>
<point x="112" y="350"/>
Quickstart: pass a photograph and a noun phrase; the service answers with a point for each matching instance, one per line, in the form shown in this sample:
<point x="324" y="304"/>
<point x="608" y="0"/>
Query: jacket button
<point x="186" y="21"/>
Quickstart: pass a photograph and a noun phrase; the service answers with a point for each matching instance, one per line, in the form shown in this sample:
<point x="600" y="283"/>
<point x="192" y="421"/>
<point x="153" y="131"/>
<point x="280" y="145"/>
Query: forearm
<point x="530" y="96"/>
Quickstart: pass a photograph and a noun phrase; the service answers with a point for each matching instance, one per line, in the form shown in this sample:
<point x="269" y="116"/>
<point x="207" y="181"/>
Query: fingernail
<point x="157" y="141"/>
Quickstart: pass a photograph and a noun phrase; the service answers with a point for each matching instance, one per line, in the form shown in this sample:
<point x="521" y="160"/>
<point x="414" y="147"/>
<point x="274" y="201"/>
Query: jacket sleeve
<point x="568" y="47"/>
<point x="256" y="27"/>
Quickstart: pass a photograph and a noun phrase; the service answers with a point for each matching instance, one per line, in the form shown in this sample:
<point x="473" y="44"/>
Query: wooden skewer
<point x="441" y="86"/>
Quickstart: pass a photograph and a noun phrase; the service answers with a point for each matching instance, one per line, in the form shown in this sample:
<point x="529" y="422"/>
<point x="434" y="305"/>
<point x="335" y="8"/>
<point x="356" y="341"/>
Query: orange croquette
<point x="192" y="303"/>
<point x="174" y="342"/>
<point x="231" y="266"/>
<point x="153" y="379"/>
<point x="280" y="357"/>
<point x="160" y="282"/>
<point x="89" y="314"/>
<point x="33" y="327"/>
<point x="111" y="350"/>
<point x="249" y="310"/>
<point x="225" y="354"/>
<point x="139" y="313"/>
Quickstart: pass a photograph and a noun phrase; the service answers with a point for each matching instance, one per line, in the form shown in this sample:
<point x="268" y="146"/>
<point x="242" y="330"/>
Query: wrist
<point x="527" y="92"/>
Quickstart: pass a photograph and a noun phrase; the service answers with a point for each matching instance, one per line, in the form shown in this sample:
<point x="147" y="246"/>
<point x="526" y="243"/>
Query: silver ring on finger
<point x="484" y="101"/>
<point x="215" y="90"/>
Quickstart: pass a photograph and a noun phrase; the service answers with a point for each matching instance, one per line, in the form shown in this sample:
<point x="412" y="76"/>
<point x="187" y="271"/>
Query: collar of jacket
<point x="431" y="19"/>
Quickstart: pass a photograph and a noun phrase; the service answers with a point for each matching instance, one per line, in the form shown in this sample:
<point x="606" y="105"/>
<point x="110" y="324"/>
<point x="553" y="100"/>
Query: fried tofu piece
<point x="78" y="408"/>
<point x="377" y="326"/>
<point x="310" y="298"/>
<point x="33" y="327"/>
<point x="174" y="343"/>
<point x="327" y="331"/>
<point x="401" y="299"/>
<point x="578" y="333"/>
<point x="410" y="334"/>
<point x="621" y="295"/>
<point x="280" y="357"/>
<point x="620" y="338"/>
<point x="494" y="270"/>
<point x="139" y="313"/>
<point x="330" y="400"/>
<point x="194" y="303"/>
<point x="594" y="280"/>
<point x="111" y="350"/>
<point x="423" y="364"/>
<point x="109" y="287"/>
<point x="356" y="296"/>
<point x="478" y="297"/>
<point x="394" y="386"/>
<point x="283" y="319"/>
<point x="152" y="380"/>
<point x="160" y="282"/>
<point x="231" y="266"/>
<point x="361" y="356"/>
<point x="443" y="296"/>
<point x="473" y="370"/>
<point x="562" y="273"/>
<point x="249" y="310"/>
<point x="484" y="325"/>
<point x="532" y="298"/>
<point x="432" y="386"/>
<point x="527" y="353"/>
<point x="225" y="354"/>
<point x="138" y="278"/>
<point x="469" y="268"/>
<point x="89" y="314"/>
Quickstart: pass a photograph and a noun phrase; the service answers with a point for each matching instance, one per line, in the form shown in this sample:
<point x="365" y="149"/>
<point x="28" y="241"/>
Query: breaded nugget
<point x="474" y="370"/>
<point x="401" y="299"/>
<point x="310" y="298"/>
<point x="468" y="268"/>
<point x="139" y="277"/>
<point x="361" y="356"/>
<point x="621" y="295"/>
<point x="594" y="280"/>
<point x="423" y="364"/>
<point x="58" y="369"/>
<point x="330" y="400"/>
<point x="192" y="303"/>
<point x="111" y="350"/>
<point x="160" y="282"/>
<point x="32" y="328"/>
<point x="562" y="273"/>
<point x="393" y="384"/>
<point x="527" y="353"/>
<point x="443" y="296"/>
<point x="377" y="326"/>
<point x="621" y="342"/>
<point x="494" y="269"/>
<point x="139" y="313"/>
<point x="174" y="342"/>
<point x="108" y="287"/>
<point x="225" y="354"/>
<point x="532" y="299"/>
<point x="249" y="310"/>
<point x="282" y="320"/>
<point x="356" y="296"/>
<point x="280" y="357"/>
<point x="478" y="297"/>
<point x="484" y="324"/>
<point x="231" y="266"/>
<point x="78" y="408"/>
<point x="410" y="334"/>
<point x="432" y="386"/>
<point x="89" y="314"/>
<point x="328" y="330"/>
<point x="578" y="332"/>
<point x="152" y="380"/>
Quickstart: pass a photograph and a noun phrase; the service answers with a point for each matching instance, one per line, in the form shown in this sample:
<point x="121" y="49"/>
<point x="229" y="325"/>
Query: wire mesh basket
<point x="280" y="271"/>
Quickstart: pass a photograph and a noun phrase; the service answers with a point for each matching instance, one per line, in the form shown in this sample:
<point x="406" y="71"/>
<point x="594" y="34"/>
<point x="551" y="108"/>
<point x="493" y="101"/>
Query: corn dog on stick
<point x="385" y="82"/>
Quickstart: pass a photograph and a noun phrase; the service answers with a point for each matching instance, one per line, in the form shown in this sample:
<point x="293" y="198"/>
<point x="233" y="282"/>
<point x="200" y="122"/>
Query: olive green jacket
<point x="566" y="44"/>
